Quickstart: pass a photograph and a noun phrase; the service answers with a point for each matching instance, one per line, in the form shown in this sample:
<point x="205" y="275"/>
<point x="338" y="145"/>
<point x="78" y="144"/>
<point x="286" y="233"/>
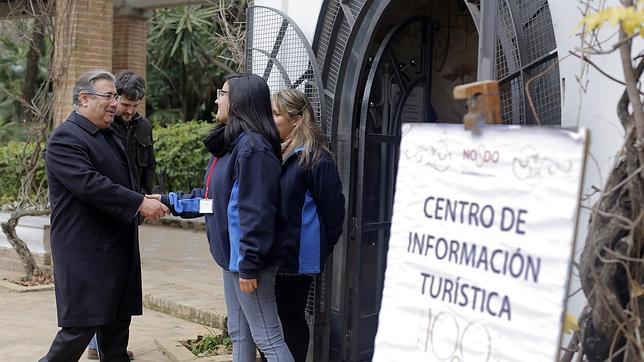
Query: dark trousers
<point x="292" y="294"/>
<point x="70" y="343"/>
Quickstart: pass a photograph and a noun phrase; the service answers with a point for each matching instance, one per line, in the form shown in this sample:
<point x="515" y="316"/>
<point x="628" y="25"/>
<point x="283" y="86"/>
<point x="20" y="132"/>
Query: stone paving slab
<point x="180" y="276"/>
<point x="29" y="326"/>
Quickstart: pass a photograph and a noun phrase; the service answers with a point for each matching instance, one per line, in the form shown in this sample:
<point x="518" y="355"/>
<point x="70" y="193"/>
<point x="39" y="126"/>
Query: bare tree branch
<point x="614" y="47"/>
<point x="32" y="196"/>
<point x="587" y="60"/>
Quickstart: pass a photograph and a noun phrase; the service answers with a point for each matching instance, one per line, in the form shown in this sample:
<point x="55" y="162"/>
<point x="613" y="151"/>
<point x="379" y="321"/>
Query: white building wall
<point x="589" y="102"/>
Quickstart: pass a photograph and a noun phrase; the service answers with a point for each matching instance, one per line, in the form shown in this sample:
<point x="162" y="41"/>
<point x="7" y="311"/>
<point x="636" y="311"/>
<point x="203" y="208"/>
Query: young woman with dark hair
<point x="240" y="201"/>
<point x="312" y="205"/>
<point x="248" y="109"/>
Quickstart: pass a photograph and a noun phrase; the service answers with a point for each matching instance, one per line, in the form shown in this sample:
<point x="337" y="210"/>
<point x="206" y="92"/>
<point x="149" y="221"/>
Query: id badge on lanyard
<point x="205" y="205"/>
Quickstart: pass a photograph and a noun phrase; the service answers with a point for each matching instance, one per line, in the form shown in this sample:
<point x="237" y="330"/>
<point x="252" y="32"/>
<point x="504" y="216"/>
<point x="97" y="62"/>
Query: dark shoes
<point x="93" y="354"/>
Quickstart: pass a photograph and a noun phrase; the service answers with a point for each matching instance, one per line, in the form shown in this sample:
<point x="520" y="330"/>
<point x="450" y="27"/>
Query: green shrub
<point x="181" y="155"/>
<point x="11" y="170"/>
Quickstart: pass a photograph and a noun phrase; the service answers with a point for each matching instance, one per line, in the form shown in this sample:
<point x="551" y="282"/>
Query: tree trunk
<point x="9" y="228"/>
<point x="611" y="263"/>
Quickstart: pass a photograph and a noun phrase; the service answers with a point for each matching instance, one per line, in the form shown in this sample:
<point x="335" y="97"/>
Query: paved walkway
<point x="178" y="274"/>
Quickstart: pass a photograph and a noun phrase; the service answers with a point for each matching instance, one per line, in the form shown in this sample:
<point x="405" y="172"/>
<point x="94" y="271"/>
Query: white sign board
<point x="481" y="243"/>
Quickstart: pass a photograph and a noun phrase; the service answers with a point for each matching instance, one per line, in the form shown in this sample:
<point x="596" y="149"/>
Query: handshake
<point x="153" y="208"/>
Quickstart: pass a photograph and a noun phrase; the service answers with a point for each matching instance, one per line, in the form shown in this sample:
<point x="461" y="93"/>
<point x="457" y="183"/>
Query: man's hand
<point x="153" y="197"/>
<point x="153" y="208"/>
<point x="247" y="285"/>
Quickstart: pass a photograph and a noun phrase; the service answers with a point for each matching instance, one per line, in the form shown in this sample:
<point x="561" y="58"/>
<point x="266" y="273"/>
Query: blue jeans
<point x="92" y="343"/>
<point x="253" y="320"/>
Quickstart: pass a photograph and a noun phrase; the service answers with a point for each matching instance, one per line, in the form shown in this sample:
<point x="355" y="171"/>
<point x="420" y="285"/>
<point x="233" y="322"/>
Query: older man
<point x="94" y="236"/>
<point x="135" y="132"/>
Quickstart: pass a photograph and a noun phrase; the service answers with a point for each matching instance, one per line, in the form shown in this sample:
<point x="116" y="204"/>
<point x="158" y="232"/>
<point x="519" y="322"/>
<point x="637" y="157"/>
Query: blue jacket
<point x="312" y="207"/>
<point x="244" y="187"/>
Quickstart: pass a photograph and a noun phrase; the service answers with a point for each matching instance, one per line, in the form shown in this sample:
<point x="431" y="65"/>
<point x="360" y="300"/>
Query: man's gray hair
<point x="85" y="83"/>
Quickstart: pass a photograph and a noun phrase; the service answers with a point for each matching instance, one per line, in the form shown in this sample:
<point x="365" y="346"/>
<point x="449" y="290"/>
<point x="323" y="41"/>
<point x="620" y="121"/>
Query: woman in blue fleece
<point x="313" y="208"/>
<point x="240" y="203"/>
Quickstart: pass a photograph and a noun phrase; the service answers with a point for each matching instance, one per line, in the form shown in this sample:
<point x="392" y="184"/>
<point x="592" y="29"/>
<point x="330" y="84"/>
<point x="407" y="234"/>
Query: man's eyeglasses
<point x="108" y="96"/>
<point x="220" y="93"/>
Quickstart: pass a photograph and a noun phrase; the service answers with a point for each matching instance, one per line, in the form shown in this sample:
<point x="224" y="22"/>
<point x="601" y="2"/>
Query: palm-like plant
<point x="186" y="60"/>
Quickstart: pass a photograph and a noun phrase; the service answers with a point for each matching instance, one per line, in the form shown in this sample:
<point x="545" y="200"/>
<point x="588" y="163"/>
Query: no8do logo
<point x="448" y="340"/>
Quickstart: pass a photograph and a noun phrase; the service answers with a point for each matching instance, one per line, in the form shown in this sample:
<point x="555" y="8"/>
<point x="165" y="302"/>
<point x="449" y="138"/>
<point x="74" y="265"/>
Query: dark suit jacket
<point x="94" y="236"/>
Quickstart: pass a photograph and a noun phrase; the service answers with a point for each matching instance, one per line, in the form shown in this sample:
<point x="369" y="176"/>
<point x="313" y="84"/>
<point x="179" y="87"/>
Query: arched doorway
<point x="414" y="54"/>
<point x="397" y="89"/>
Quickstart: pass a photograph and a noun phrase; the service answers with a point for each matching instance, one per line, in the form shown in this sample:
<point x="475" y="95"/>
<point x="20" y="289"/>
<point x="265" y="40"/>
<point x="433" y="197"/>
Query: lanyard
<point x="212" y="168"/>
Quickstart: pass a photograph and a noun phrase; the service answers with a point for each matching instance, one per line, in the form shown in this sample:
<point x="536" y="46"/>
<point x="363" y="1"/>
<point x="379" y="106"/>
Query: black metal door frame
<point x="363" y="324"/>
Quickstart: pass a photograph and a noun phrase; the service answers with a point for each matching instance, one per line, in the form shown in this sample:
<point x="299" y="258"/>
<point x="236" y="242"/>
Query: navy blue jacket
<point x="245" y="189"/>
<point x="312" y="207"/>
<point x="94" y="231"/>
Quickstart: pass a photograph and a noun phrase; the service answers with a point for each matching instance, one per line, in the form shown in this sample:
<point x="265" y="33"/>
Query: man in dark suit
<point x="94" y="235"/>
<point x="135" y="133"/>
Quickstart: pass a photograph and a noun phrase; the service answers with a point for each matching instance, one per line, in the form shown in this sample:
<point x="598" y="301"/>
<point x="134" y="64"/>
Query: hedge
<point x="181" y="159"/>
<point x="181" y="156"/>
<point x="11" y="170"/>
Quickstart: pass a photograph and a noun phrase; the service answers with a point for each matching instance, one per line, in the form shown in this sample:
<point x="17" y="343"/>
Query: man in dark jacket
<point x="135" y="132"/>
<point x="94" y="235"/>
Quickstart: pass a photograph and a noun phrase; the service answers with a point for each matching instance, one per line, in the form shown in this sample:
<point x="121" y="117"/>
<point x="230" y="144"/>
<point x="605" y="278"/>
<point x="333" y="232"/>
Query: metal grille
<point x="324" y="39"/>
<point x="526" y="47"/>
<point x="545" y="96"/>
<point x="507" y="51"/>
<point x="280" y="53"/>
<point x="512" y="104"/>
<point x="356" y="6"/>
<point x="310" y="302"/>
<point x="339" y="36"/>
<point x="342" y="37"/>
<point x="537" y="26"/>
